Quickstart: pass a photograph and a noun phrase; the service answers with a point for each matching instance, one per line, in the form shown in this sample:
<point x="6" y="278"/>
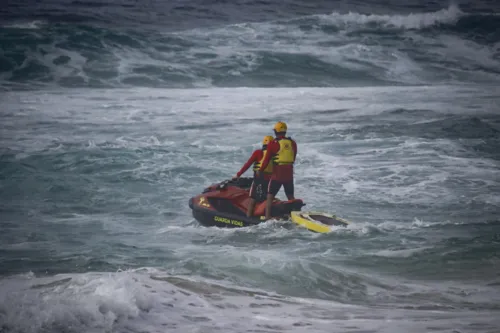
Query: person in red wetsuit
<point x="258" y="189"/>
<point x="281" y="153"/>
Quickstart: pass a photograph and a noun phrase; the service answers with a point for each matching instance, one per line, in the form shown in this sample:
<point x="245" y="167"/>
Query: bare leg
<point x="251" y="207"/>
<point x="269" y="204"/>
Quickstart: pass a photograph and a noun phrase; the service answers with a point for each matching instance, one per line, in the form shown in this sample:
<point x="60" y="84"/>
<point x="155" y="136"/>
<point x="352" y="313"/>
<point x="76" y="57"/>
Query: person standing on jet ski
<point x="258" y="190"/>
<point x="281" y="154"/>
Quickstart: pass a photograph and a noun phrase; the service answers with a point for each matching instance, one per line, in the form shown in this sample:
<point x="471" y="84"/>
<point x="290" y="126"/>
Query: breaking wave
<point x="446" y="46"/>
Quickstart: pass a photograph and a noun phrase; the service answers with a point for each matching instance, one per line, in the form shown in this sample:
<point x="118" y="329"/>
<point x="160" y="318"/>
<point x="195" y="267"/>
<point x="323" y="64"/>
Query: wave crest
<point x="449" y="15"/>
<point x="316" y="50"/>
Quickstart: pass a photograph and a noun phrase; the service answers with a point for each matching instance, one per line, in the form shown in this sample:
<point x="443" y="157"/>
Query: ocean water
<point x="113" y="114"/>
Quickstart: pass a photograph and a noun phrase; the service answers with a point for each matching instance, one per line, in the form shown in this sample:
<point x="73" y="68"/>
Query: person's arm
<point x="271" y="149"/>
<point x="251" y="160"/>
<point x="294" y="146"/>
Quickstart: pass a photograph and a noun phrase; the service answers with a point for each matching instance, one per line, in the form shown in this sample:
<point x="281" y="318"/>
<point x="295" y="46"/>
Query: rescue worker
<point x="281" y="153"/>
<point x="258" y="189"/>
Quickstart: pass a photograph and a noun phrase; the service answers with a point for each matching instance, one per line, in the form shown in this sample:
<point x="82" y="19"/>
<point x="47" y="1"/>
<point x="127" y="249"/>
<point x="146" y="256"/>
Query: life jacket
<point x="269" y="167"/>
<point x="284" y="156"/>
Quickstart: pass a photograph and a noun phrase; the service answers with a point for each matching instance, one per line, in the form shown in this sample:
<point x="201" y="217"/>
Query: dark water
<point x="251" y="44"/>
<point x="114" y="114"/>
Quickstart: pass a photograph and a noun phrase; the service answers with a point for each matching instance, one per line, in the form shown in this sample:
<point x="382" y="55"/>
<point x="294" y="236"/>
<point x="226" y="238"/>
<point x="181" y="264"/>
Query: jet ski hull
<point x="225" y="205"/>
<point x="213" y="218"/>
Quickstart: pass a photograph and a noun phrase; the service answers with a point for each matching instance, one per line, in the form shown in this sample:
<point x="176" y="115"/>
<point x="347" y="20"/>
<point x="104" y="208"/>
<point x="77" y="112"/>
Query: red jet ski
<point x="225" y="205"/>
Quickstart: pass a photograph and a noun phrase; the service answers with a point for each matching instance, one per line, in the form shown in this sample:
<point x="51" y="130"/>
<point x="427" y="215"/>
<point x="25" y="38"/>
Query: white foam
<point x="332" y="168"/>
<point x="467" y="53"/>
<point x="30" y="25"/>
<point x="241" y="44"/>
<point x="410" y="21"/>
<point x="404" y="253"/>
<point x="149" y="300"/>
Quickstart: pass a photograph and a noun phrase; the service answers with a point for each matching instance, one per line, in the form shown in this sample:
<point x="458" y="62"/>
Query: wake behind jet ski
<point x="225" y="205"/>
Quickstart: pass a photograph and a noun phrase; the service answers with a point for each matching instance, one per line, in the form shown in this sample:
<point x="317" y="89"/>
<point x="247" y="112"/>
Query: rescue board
<point x="316" y="221"/>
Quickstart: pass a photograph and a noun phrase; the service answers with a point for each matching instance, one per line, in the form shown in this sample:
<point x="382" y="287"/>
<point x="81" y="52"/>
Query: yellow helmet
<point x="267" y="139"/>
<point x="280" y="127"/>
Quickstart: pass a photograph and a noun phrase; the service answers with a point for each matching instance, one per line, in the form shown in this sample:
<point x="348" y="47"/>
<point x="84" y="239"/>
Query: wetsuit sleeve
<point x="250" y="161"/>
<point x="294" y="146"/>
<point x="272" y="148"/>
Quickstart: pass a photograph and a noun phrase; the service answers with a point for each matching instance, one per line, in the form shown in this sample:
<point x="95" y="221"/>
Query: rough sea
<point x="114" y="113"/>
